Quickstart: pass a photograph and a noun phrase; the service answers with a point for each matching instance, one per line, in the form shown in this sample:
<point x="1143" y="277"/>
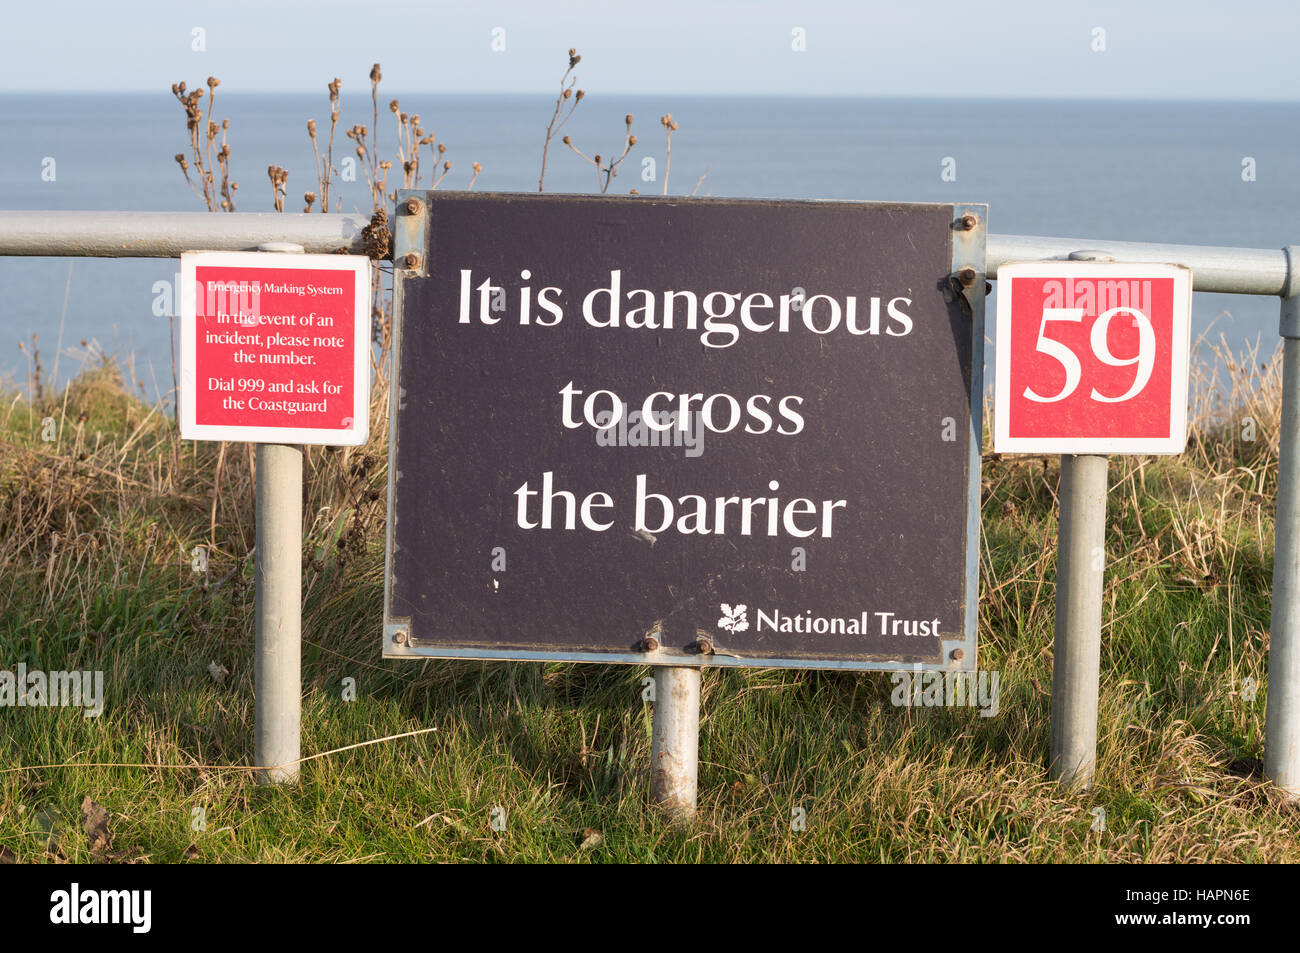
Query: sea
<point x="1214" y="173"/>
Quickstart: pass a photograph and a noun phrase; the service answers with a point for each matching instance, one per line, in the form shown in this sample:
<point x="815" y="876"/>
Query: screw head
<point x="412" y="260"/>
<point x="649" y="644"/>
<point x="958" y="654"/>
<point x="968" y="222"/>
<point x="414" y="206"/>
<point x="704" y="645"/>
<point x="967" y="276"/>
<point x="399" y="638"/>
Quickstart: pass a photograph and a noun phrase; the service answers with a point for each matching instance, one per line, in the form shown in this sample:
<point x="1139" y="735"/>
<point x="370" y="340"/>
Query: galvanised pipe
<point x="167" y="234"/>
<point x="1282" y="716"/>
<point x="1076" y="659"/>
<point x="1256" y="271"/>
<point x="674" y="748"/>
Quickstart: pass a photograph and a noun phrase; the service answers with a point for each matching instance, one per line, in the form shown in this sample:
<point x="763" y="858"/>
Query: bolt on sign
<point x="685" y="431"/>
<point x="275" y="348"/>
<point x="1092" y="357"/>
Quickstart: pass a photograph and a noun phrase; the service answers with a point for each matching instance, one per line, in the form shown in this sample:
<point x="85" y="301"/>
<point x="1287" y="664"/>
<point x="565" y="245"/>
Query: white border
<point x="1176" y="440"/>
<point x="359" y="266"/>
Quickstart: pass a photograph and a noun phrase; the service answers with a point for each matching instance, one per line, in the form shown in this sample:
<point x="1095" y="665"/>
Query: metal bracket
<point x="409" y="260"/>
<point x="290" y="248"/>
<point x="410" y="249"/>
<point x="397" y="638"/>
<point x="1091" y="254"/>
<point x="1289" y="319"/>
<point x="969" y="238"/>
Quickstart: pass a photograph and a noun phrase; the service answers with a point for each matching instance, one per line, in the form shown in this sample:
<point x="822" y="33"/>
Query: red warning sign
<point x="1092" y="357"/>
<point x="275" y="348"/>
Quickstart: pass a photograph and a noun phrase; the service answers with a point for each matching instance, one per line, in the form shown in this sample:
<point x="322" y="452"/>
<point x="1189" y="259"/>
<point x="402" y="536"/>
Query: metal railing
<point x="1255" y="271"/>
<point x="167" y="234"/>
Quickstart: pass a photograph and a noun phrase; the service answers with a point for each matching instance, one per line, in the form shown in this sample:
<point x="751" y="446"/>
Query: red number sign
<point x="275" y="348"/>
<point x="1092" y="357"/>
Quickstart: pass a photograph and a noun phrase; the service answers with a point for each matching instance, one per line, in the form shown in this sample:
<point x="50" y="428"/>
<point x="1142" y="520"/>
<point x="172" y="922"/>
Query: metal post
<point x="278" y="669"/>
<point x="1282" y="717"/>
<point x="1076" y="663"/>
<point x="277" y="673"/>
<point x="674" y="750"/>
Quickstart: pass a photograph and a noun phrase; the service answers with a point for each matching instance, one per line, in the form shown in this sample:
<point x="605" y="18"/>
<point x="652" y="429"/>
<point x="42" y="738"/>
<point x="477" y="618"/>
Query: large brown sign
<point x="685" y="431"/>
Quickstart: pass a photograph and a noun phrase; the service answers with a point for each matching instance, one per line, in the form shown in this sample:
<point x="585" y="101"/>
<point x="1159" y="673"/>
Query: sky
<point x="1140" y="49"/>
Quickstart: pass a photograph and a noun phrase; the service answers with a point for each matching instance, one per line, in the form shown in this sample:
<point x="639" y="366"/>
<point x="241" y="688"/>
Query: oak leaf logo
<point x="734" y="618"/>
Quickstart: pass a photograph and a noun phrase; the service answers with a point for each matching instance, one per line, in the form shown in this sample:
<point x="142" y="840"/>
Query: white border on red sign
<point x="1176" y="440"/>
<point x="188" y="383"/>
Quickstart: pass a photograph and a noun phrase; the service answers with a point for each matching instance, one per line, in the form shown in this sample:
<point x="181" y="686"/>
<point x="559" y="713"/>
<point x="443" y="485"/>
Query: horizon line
<point x="730" y="94"/>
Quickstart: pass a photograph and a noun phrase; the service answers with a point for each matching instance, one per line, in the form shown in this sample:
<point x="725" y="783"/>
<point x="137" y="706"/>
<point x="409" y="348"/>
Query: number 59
<point x="1145" y="358"/>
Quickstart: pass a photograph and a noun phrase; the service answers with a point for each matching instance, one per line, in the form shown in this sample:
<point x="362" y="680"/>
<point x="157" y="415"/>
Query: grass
<point x="98" y="530"/>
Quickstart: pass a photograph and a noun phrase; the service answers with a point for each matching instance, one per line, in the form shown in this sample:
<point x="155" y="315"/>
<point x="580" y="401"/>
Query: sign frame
<point x="187" y="382"/>
<point x="965" y="284"/>
<point x="1175" y="442"/>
